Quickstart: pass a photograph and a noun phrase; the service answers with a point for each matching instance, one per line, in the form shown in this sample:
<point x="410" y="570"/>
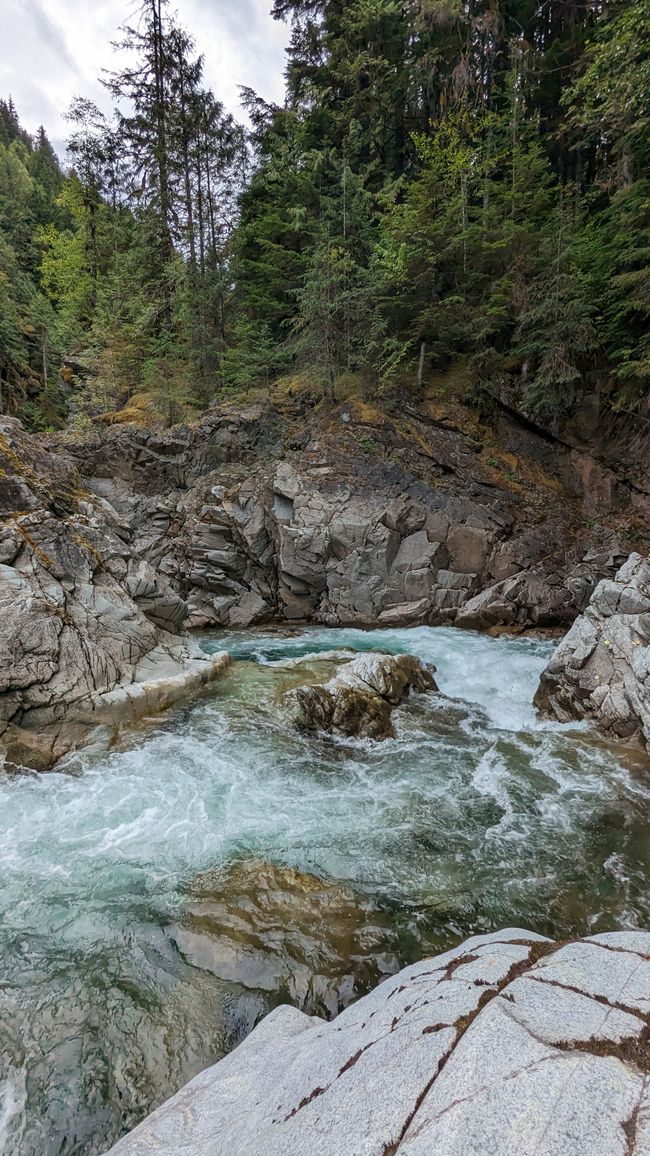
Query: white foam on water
<point x="476" y="808"/>
<point x="13" y="1099"/>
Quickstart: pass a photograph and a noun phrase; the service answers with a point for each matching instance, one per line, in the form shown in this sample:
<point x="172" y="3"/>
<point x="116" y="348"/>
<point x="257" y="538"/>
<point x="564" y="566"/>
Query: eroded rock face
<point x="601" y="669"/>
<point x="359" y="698"/>
<point x="111" y="546"/>
<point x="509" y="1044"/>
<point x="90" y="638"/>
<point x="252" y="517"/>
<point x="285" y="933"/>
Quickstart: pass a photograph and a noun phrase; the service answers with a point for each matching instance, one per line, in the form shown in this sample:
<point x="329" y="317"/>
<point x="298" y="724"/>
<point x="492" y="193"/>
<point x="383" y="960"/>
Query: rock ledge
<point x="510" y="1045"/>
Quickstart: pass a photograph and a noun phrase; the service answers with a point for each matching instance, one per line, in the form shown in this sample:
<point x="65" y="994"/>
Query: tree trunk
<point x="423" y="349"/>
<point x="626" y="169"/>
<point x="161" y="150"/>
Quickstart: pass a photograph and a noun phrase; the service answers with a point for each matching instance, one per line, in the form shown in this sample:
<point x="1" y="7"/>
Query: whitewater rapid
<point x="478" y="814"/>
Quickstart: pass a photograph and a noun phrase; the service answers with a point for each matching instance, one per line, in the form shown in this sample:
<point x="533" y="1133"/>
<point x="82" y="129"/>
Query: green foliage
<point x="30" y="182"/>
<point x="446" y="182"/>
<point x="610" y="100"/>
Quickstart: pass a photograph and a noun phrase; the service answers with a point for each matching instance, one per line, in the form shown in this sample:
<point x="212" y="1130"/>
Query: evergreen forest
<point x="448" y="183"/>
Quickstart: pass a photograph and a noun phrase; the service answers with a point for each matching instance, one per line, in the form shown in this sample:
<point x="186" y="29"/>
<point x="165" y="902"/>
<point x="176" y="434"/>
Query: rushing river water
<point x="133" y="947"/>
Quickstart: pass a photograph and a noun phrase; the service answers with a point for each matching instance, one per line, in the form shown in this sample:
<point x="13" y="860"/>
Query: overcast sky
<point x="53" y="50"/>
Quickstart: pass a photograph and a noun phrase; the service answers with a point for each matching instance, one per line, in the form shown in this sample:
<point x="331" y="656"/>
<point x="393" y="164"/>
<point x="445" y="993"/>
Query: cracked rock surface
<point x="255" y="515"/>
<point x="359" y="698"/>
<point x="90" y="638"/>
<point x="509" y="1045"/>
<point x="601" y="669"/>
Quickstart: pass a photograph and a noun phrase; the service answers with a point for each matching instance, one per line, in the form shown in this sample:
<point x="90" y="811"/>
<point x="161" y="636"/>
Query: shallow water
<point x="476" y="816"/>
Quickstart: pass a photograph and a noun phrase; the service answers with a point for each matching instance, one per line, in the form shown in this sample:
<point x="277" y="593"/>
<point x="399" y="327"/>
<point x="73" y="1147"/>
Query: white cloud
<point x="56" y="49"/>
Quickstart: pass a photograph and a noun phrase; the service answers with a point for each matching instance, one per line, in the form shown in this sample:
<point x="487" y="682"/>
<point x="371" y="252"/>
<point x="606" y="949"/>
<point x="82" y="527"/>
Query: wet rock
<point x="358" y="699"/>
<point x="601" y="669"/>
<point x="343" y="711"/>
<point x="508" y="1043"/>
<point x="285" y="933"/>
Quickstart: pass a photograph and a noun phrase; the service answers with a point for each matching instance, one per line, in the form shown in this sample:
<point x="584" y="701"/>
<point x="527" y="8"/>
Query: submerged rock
<point x="359" y="698"/>
<point x="287" y="933"/>
<point x="601" y="669"/>
<point x="510" y="1043"/>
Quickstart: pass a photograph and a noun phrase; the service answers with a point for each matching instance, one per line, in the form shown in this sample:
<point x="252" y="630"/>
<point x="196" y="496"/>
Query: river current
<point x="115" y="987"/>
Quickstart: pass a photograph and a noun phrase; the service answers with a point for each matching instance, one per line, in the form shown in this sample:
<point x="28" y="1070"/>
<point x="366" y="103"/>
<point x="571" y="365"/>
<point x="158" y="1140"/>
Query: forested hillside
<point x="31" y="201"/>
<point x="448" y="182"/>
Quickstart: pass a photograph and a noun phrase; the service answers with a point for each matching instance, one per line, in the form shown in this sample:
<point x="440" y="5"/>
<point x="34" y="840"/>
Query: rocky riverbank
<point x="601" y="669"/>
<point x="508" y="1044"/>
<point x="91" y="638"/>
<point x="114" y="543"/>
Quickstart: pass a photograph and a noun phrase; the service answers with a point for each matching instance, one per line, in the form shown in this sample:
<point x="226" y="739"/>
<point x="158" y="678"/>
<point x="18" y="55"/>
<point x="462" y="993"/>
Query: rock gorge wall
<point x="90" y="637"/>
<point x="113" y="543"/>
<point x="357" y="518"/>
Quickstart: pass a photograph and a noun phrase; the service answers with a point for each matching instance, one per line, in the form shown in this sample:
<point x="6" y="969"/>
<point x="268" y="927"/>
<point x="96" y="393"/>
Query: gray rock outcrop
<point x="601" y="669"/>
<point x="113" y="543"/>
<point x="90" y="638"/>
<point x="359" y="698"/>
<point x="252" y="516"/>
<point x="510" y="1045"/>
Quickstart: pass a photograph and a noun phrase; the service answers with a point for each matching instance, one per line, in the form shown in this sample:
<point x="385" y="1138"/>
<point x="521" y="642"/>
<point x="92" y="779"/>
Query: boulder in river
<point x="358" y="700"/>
<point x="601" y="669"/>
<point x="508" y="1044"/>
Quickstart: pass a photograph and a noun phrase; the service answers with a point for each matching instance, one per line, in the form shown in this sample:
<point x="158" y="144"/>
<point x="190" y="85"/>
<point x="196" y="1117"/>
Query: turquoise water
<point x="477" y="815"/>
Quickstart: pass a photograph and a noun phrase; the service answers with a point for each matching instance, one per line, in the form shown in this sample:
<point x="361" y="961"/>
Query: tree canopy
<point x="446" y="180"/>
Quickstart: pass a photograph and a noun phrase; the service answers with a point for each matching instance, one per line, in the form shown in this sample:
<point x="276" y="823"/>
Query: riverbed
<point x="124" y="964"/>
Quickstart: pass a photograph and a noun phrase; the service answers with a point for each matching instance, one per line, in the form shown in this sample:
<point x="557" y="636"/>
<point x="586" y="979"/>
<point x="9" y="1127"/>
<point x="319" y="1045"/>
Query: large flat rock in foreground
<point x="509" y="1045"/>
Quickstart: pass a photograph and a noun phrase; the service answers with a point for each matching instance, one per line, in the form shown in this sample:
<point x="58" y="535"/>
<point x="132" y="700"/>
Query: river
<point x="115" y="986"/>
